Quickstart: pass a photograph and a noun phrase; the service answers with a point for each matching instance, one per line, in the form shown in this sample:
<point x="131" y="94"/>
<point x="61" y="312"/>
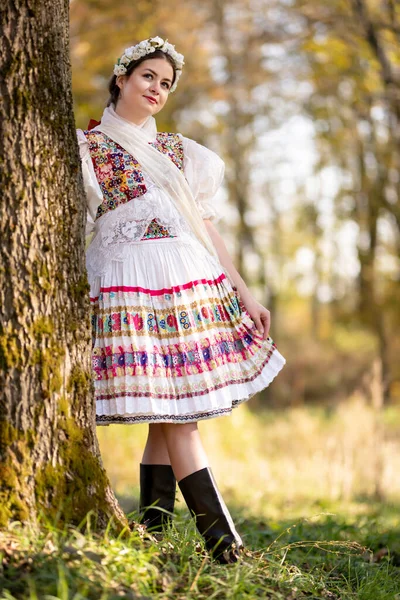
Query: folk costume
<point x="172" y="341"/>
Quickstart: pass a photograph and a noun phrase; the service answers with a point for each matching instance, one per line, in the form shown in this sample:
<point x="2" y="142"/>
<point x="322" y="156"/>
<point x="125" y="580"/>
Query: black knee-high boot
<point x="212" y="517"/>
<point x="157" y="485"/>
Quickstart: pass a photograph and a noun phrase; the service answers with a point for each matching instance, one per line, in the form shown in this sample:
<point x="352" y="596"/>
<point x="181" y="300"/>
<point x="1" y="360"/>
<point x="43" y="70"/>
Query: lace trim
<point x="116" y="230"/>
<point x="125" y="232"/>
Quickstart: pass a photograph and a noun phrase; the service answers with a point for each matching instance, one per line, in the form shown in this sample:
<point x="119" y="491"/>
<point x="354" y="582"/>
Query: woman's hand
<point x="260" y="315"/>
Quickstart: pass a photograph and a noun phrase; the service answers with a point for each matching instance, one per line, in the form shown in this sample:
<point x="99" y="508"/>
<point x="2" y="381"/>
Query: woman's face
<point x="146" y="90"/>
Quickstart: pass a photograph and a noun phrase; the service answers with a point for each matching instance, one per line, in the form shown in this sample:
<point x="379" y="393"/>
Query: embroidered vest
<point x="118" y="172"/>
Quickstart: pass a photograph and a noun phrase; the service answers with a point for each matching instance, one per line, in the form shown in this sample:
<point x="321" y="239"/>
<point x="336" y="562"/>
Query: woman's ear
<point x="120" y="81"/>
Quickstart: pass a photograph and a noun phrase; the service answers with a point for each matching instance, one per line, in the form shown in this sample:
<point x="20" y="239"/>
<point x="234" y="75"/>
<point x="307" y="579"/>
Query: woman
<point x="177" y="336"/>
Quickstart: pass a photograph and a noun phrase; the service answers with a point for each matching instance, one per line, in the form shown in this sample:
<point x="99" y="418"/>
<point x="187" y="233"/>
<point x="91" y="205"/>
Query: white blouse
<point x="116" y="230"/>
<point x="203" y="169"/>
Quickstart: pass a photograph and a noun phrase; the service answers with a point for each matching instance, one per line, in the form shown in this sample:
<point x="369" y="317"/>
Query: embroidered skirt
<point x="171" y="340"/>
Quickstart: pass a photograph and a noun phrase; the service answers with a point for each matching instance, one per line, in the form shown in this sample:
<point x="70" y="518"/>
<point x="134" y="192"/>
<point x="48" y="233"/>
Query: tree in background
<point x="49" y="456"/>
<point x="351" y="50"/>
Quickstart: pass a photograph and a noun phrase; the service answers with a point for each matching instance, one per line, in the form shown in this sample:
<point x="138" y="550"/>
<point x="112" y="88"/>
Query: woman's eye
<point x="164" y="83"/>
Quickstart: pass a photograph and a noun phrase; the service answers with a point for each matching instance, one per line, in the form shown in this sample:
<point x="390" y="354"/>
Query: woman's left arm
<point x="260" y="315"/>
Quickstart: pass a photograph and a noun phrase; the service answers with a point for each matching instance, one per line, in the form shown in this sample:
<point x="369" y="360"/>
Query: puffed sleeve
<point x="204" y="171"/>
<point x="94" y="196"/>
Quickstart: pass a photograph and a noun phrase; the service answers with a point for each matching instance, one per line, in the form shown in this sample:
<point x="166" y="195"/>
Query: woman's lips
<point x="152" y="100"/>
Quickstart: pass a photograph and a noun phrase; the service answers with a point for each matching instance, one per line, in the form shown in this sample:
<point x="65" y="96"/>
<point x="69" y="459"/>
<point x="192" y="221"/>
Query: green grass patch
<point x="328" y="555"/>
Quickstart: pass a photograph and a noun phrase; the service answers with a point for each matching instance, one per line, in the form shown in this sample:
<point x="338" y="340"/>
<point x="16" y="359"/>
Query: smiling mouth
<point x="152" y="100"/>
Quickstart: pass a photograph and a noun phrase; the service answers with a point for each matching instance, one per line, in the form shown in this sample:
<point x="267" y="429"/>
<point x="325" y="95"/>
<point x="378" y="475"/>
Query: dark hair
<point x="115" y="90"/>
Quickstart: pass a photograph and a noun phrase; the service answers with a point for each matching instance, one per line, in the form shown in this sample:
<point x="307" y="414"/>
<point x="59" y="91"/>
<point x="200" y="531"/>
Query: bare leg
<point x="204" y="501"/>
<point x="185" y="448"/>
<point x="156" y="450"/>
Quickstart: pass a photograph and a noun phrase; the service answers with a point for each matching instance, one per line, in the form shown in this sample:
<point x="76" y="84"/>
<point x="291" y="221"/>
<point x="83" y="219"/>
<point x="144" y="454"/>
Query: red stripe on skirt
<point x="175" y="288"/>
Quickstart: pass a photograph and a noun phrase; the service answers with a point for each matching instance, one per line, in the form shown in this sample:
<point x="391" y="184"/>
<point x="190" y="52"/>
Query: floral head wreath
<point x="147" y="47"/>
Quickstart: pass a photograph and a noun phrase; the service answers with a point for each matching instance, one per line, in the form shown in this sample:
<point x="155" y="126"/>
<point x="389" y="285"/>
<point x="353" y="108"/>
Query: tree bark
<point x="49" y="455"/>
<point x="387" y="68"/>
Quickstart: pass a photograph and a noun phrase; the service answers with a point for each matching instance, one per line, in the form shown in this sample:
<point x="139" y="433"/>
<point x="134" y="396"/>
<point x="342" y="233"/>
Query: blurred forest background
<point x="301" y="98"/>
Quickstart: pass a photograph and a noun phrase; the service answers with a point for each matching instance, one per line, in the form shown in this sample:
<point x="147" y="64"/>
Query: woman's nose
<point x="155" y="87"/>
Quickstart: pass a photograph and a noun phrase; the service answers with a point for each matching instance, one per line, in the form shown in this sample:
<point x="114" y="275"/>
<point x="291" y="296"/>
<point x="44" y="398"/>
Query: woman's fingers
<point x="261" y="318"/>
<point x="266" y="321"/>
<point x="258" y="324"/>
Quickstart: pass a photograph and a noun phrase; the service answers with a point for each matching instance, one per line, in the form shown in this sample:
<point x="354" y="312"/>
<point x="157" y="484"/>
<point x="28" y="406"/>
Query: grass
<point x="311" y="530"/>
<point x="324" y="556"/>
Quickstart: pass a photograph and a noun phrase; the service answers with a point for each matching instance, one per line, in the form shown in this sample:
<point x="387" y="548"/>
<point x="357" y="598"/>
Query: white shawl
<point x="135" y="140"/>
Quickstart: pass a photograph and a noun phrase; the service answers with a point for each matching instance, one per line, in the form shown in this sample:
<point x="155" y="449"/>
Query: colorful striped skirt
<point x="171" y="340"/>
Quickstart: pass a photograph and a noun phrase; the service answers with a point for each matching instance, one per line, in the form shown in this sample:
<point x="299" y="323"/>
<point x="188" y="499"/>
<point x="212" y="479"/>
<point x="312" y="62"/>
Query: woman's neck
<point x="127" y="114"/>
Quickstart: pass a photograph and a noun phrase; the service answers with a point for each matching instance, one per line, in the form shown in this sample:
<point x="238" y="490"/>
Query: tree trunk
<point x="49" y="455"/>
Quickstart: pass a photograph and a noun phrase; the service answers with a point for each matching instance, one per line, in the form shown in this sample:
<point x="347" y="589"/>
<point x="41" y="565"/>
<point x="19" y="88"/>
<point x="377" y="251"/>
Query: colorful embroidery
<point x="169" y="351"/>
<point x="155" y="231"/>
<point x="167" y="323"/>
<point x="171" y="145"/>
<point x="169" y="388"/>
<point x="119" y="174"/>
<point x="171" y="361"/>
<point x="232" y="338"/>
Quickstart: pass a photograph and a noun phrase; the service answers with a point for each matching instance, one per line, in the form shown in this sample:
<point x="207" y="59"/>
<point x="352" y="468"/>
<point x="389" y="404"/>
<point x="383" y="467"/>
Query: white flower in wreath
<point x="179" y="58"/>
<point x="159" y="41"/>
<point x="119" y="70"/>
<point x="148" y="47"/>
